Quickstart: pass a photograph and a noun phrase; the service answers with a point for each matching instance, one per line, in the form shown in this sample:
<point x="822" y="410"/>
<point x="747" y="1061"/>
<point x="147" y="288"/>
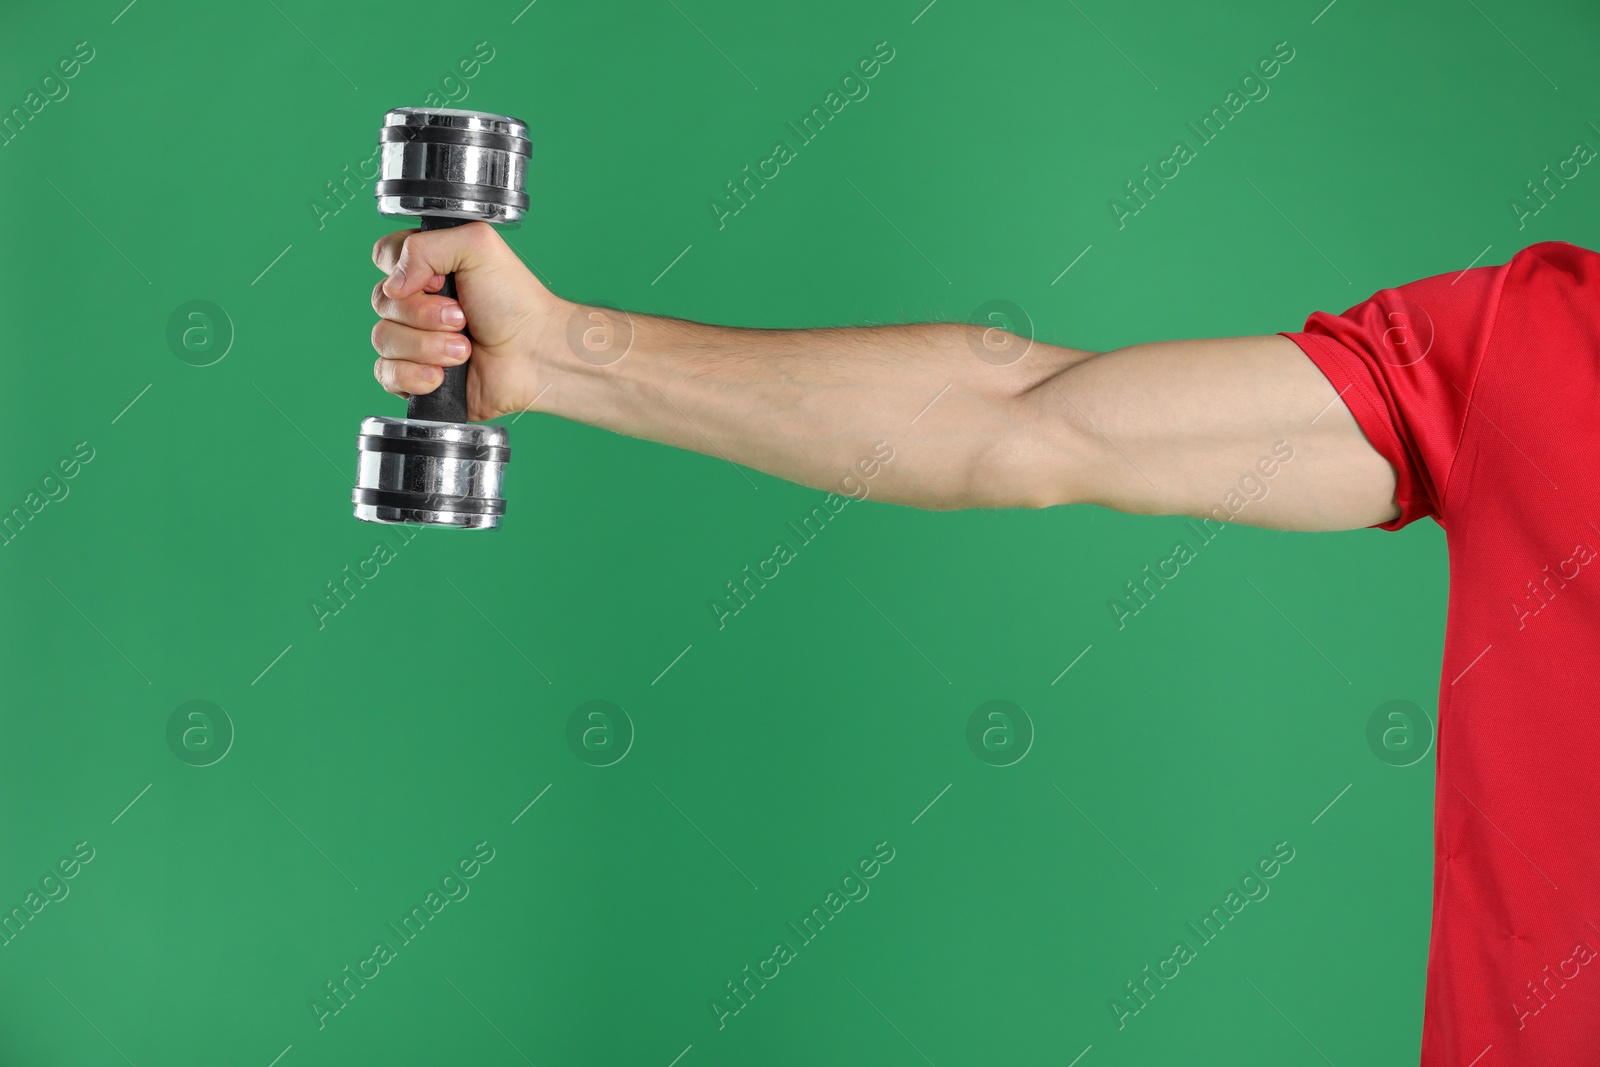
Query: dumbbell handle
<point x="448" y="403"/>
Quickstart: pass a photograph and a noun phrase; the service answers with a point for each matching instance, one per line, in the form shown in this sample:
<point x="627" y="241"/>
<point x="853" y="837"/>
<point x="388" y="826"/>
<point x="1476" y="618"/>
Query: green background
<point x="373" y="753"/>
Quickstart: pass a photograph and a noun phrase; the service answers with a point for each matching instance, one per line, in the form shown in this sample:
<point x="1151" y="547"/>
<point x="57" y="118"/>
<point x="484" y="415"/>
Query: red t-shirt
<point x="1482" y="389"/>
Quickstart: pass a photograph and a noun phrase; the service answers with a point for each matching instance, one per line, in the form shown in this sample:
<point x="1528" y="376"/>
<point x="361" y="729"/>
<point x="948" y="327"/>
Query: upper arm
<point x="1244" y="429"/>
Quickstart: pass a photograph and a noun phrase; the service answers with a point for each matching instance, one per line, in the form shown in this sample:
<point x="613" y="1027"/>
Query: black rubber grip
<point x="448" y="403"/>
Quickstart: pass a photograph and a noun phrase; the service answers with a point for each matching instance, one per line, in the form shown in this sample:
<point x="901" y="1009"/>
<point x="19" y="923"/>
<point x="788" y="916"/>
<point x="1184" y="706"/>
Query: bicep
<point x="1243" y="429"/>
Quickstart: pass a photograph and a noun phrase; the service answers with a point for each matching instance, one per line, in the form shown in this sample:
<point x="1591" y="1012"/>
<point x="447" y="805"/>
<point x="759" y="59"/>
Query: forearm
<point x="823" y="407"/>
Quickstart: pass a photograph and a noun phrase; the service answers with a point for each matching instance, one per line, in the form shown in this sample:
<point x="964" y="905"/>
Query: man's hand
<point x="499" y="299"/>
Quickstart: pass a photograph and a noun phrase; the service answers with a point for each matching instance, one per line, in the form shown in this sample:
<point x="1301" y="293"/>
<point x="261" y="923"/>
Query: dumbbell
<point x="450" y="167"/>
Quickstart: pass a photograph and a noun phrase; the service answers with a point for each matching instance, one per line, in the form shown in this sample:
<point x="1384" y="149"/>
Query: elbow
<point x="1038" y="455"/>
<point x="1030" y="462"/>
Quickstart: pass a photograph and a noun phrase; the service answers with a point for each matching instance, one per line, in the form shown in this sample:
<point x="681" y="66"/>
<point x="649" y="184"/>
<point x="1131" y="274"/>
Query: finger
<point x="422" y="256"/>
<point x="421" y="311"/>
<point x="386" y="252"/>
<point x="406" y="379"/>
<point x="436" y="348"/>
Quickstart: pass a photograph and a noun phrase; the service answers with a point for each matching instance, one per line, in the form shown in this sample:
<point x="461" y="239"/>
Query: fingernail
<point x="396" y="280"/>
<point x="457" y="347"/>
<point x="453" y="315"/>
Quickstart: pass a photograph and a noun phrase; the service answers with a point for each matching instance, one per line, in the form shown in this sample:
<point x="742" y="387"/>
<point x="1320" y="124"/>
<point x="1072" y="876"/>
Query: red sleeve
<point x="1404" y="362"/>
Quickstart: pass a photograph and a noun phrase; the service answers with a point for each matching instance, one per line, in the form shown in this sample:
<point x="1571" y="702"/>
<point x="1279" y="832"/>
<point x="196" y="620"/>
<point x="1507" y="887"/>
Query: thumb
<point x="426" y="254"/>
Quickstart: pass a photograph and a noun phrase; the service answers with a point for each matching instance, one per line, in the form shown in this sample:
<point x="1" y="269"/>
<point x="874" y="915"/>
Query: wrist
<point x="582" y="355"/>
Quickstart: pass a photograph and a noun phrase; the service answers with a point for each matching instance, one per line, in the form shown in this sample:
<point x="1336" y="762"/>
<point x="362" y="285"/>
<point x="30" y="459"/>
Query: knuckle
<point x="427" y="311"/>
<point x="388" y="248"/>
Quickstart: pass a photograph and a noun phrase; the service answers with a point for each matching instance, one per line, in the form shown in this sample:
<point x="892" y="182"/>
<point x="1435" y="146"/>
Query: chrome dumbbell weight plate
<point x="441" y="473"/>
<point x="453" y="164"/>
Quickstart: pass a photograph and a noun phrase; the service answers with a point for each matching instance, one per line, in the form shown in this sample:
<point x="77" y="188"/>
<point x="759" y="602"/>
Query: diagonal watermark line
<point x="932" y="402"/>
<point x="1502" y="833"/>
<point x="1479" y="256"/>
<point x="1290" y="1021"/>
<point x="499" y="631"/>
<point x="1331" y="803"/>
<point x="90" y="1021"/>
<point x="99" y="631"/>
<point x="680" y="1055"/>
<point x="1301" y="232"/>
<point x="1299" y="631"/>
<point x="1069" y="666"/>
<point x="709" y="441"/>
<point x="121" y="13"/>
<point x="313" y="44"/>
<point x="901" y="232"/>
<point x="302" y="833"/>
<point x="271" y="665"/>
<point x="924" y="11"/>
<point x="1513" y="44"/>
<point x="101" y="232"/>
<point x="931" y="803"/>
<point x="274" y="263"/>
<point x="1101" y="432"/>
<point x="299" y="431"/>
<point x="1474" y="406"/>
<point x="532" y="402"/>
<point x="131" y="803"/>
<point x="490" y="1021"/>
<point x="1324" y="11"/>
<point x="1469" y="666"/>
<point x="524" y="11"/>
<point x="890" y="1021"/>
<point x="1113" y="44"/>
<point x="1080" y="1056"/>
<point x="901" y="632"/>
<point x="280" y="1056"/>
<point x="674" y="262"/>
<point x="671" y="665"/>
<point x="1330" y="403"/>
<point x="531" y="803"/>
<point x="1103" y="834"/>
<point x="544" y="276"/>
<point x="1480" y="1056"/>
<point x="1069" y="266"/>
<point x="713" y="44"/>
<point x="132" y="402"/>
<point x="703" y="834"/>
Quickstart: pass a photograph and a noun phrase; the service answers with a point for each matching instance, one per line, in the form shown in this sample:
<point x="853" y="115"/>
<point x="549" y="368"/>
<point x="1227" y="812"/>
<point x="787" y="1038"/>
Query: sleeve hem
<point x="1353" y="381"/>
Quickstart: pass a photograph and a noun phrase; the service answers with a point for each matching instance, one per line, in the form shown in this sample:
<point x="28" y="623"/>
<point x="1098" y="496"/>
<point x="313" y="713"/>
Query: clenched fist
<point x="509" y="312"/>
